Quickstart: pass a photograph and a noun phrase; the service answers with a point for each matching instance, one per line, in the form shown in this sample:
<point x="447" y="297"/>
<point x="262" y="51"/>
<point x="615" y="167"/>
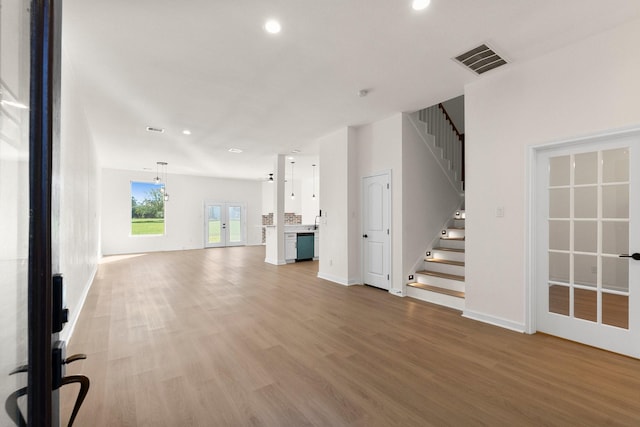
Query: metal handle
<point x="82" y="393"/>
<point x="365" y="236"/>
<point x="635" y="256"/>
<point x="73" y="358"/>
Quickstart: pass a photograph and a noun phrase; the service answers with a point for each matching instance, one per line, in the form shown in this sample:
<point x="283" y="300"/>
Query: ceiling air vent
<point x="154" y="129"/>
<point x="481" y="59"/>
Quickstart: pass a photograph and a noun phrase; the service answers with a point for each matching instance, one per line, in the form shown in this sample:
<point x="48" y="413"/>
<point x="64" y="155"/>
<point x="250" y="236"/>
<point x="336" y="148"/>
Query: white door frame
<point x="389" y="267"/>
<point x="531" y="218"/>
<point x="225" y="205"/>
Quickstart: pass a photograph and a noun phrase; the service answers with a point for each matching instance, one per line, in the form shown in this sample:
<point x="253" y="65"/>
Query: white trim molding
<point x="338" y="280"/>
<point x="67" y="331"/>
<point x="495" y="321"/>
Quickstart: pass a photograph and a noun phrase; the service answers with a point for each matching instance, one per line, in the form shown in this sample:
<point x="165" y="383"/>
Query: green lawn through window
<point x="235" y="232"/>
<point x="147" y="226"/>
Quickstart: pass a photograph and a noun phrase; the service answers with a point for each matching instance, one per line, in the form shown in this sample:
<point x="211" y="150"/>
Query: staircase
<point x="442" y="137"/>
<point x="442" y="280"/>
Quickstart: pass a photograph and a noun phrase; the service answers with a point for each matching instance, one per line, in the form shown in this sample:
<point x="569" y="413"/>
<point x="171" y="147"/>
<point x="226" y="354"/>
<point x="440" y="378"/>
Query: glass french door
<point x="225" y="224"/>
<point x="14" y="214"/>
<point x="30" y="43"/>
<point x="588" y="228"/>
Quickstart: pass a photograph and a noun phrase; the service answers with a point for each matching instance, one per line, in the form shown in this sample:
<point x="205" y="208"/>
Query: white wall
<point x="380" y="149"/>
<point x="334" y="228"/>
<point x="590" y="86"/>
<point x="78" y="235"/>
<point x="184" y="212"/>
<point x="429" y="198"/>
<point x="268" y="197"/>
<point x="308" y="206"/>
<point x="303" y="204"/>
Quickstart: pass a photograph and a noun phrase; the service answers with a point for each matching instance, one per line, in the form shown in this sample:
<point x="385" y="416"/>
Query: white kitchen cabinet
<point x="290" y="246"/>
<point x="316" y="245"/>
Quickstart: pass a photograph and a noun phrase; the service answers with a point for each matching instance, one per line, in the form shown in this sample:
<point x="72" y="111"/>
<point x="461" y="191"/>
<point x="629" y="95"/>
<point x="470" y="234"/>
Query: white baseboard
<point x="275" y="261"/>
<point x="338" y="280"/>
<point x="74" y="312"/>
<point x="496" y="321"/>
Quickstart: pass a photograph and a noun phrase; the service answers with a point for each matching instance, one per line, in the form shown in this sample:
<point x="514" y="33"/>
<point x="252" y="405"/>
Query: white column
<point x="275" y="235"/>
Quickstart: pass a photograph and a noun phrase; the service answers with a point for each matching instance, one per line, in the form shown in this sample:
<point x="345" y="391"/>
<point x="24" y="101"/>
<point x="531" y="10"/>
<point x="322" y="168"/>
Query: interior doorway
<point x="376" y="235"/>
<point x="586" y="227"/>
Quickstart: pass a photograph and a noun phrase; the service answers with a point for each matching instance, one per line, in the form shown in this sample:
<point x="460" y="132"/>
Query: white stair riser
<point x="453" y="244"/>
<point x="436" y="298"/>
<point x="444" y="268"/>
<point x="459" y="223"/>
<point x="441" y="282"/>
<point x="448" y="255"/>
<point x="454" y="232"/>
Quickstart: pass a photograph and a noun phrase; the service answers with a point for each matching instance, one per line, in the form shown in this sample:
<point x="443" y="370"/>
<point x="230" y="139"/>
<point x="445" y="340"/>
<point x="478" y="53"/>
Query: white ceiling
<point x="208" y="66"/>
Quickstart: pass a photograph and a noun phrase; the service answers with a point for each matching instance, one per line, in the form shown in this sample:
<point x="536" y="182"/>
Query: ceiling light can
<point x="420" y="4"/>
<point x="272" y="26"/>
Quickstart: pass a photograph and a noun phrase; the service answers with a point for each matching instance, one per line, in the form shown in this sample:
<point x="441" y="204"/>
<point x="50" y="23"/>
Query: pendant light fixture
<point x="156" y="180"/>
<point x="293" y="196"/>
<point x="161" y="170"/>
<point x="314" y="181"/>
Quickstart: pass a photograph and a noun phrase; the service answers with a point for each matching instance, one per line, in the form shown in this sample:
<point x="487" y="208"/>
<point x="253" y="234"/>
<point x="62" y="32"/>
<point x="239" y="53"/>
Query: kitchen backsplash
<point x="290" y="218"/>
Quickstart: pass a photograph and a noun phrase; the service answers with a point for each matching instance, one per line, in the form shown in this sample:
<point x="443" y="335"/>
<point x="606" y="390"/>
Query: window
<point x="147" y="208"/>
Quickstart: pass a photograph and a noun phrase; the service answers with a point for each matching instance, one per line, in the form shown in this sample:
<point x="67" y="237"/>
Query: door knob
<point x="635" y="256"/>
<point x="365" y="236"/>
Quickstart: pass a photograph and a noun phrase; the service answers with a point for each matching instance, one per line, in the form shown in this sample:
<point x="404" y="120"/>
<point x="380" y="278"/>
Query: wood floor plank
<point x="217" y="337"/>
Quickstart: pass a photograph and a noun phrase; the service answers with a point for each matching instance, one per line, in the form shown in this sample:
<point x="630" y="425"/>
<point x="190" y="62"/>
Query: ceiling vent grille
<point x="481" y="59"/>
<point x="154" y="129"/>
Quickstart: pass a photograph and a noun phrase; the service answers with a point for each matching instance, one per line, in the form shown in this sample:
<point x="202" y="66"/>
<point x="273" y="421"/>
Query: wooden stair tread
<point x="452" y="238"/>
<point x="443" y="275"/>
<point x="448" y="250"/>
<point x="436" y="289"/>
<point x="445" y="261"/>
<point x="455" y="228"/>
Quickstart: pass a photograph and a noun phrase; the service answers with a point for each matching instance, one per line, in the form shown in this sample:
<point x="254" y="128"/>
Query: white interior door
<point x="375" y="231"/>
<point x="225" y="224"/>
<point x="588" y="214"/>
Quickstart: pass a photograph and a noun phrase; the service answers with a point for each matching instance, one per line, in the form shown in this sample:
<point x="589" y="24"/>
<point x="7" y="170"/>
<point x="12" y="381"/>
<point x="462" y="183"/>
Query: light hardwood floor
<point x="217" y="337"/>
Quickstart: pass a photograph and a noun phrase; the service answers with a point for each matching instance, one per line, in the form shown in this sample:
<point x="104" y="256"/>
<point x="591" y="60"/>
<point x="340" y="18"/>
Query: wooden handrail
<point x="460" y="137"/>
<point x="455" y="129"/>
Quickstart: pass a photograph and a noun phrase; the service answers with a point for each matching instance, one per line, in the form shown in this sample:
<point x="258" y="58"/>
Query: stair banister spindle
<point x="449" y="141"/>
<point x="442" y="131"/>
<point x="445" y="137"/>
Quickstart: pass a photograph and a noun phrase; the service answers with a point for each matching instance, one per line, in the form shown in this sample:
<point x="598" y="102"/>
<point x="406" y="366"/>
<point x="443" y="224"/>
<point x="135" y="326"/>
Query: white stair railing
<point x="446" y="137"/>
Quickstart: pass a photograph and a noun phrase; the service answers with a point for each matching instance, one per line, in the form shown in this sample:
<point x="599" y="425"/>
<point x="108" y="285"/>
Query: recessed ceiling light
<point x="272" y="26"/>
<point x="290" y="158"/>
<point x="154" y="129"/>
<point x="420" y="4"/>
<point x="295" y="151"/>
<point x="235" y="150"/>
<point x="186" y="132"/>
